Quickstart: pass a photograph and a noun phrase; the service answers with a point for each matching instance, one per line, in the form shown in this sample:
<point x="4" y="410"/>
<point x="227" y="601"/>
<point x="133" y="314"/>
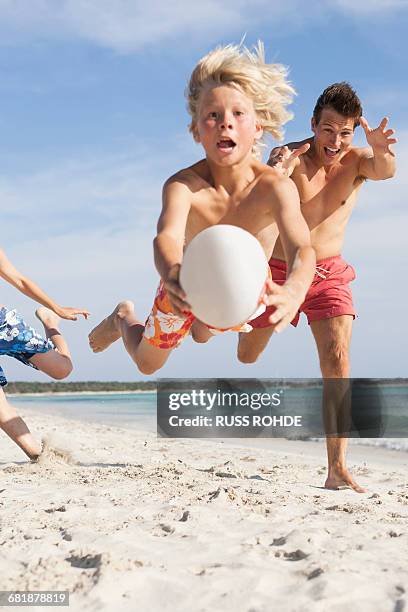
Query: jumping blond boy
<point x="234" y="97"/>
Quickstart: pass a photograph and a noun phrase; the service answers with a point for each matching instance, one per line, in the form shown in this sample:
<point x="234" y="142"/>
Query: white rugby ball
<point x="223" y="273"/>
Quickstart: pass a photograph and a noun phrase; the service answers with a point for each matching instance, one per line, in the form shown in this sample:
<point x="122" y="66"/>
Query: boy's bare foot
<point x="47" y="317"/>
<point x="34" y="453"/>
<point x="28" y="444"/>
<point x="108" y="331"/>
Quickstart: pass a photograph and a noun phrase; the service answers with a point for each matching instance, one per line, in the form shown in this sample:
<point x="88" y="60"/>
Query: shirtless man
<point x="233" y="97"/>
<point x="328" y="173"/>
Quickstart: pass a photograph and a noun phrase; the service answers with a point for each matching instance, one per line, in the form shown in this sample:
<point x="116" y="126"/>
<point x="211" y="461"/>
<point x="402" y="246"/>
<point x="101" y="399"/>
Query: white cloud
<point x="370" y="6"/>
<point x="112" y="191"/>
<point x="129" y="25"/>
<point x="122" y="25"/>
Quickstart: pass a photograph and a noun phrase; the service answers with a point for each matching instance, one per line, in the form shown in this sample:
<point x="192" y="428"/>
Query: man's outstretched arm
<point x="378" y="164"/>
<point x="286" y="158"/>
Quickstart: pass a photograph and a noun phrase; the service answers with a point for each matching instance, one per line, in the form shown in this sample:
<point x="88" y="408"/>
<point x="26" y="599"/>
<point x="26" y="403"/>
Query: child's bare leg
<point x="251" y="345"/>
<point x="200" y="332"/>
<point x="16" y="429"/>
<point x="56" y="364"/>
<point x="122" y="323"/>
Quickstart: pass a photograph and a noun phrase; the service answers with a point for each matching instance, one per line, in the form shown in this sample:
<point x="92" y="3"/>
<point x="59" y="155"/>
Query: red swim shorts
<point x="329" y="294"/>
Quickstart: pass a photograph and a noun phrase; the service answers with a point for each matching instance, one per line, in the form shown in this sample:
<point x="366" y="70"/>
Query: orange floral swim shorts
<point x="167" y="330"/>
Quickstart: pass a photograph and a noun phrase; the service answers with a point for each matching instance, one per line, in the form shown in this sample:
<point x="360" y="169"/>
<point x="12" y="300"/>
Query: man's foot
<point x="108" y="330"/>
<point x="47" y="317"/>
<point x="342" y="478"/>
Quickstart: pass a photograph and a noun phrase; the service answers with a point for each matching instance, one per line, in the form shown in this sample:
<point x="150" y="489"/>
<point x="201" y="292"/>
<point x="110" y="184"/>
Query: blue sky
<point x="93" y="120"/>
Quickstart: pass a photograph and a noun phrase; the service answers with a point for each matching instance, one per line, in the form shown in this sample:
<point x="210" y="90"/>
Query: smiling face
<point x="333" y="135"/>
<point x="226" y="125"/>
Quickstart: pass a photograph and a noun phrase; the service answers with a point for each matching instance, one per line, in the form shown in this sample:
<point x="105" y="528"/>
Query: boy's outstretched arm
<point x="169" y="242"/>
<point x="300" y="256"/>
<point x="31" y="290"/>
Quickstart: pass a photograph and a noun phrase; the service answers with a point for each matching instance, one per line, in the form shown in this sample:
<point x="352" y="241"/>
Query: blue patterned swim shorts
<point x="19" y="340"/>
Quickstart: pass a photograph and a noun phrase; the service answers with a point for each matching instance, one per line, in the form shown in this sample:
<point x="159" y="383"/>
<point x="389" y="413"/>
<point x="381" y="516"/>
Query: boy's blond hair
<point x="265" y="84"/>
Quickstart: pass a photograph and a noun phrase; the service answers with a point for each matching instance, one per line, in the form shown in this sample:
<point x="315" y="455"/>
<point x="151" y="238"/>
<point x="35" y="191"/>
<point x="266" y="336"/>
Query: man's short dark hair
<point x="343" y="99"/>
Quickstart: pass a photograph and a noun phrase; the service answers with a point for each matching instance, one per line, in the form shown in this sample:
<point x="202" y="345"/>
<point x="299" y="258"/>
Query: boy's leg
<point x="200" y="332"/>
<point x="122" y="323"/>
<point x="251" y="345"/>
<point x="56" y="364"/>
<point x="16" y="429"/>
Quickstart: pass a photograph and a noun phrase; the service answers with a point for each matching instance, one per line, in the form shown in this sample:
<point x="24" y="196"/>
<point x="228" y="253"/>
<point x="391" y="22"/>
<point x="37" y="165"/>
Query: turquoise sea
<point x="138" y="410"/>
<point x="134" y="410"/>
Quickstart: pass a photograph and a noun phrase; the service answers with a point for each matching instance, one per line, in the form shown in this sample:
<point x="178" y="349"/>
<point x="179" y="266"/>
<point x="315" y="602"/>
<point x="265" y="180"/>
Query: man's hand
<point x="176" y="294"/>
<point x="286" y="301"/>
<point x="379" y="138"/>
<point x="283" y="159"/>
<point x="65" y="312"/>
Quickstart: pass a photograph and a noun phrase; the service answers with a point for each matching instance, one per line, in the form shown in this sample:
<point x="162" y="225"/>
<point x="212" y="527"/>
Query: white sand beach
<point x="140" y="523"/>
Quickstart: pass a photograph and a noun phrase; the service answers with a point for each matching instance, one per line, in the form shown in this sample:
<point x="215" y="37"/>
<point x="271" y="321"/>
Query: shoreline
<point x="377" y="449"/>
<point x="314" y="449"/>
<point x="51" y="393"/>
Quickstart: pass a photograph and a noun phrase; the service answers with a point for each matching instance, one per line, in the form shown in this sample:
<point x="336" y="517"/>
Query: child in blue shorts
<point x="50" y="354"/>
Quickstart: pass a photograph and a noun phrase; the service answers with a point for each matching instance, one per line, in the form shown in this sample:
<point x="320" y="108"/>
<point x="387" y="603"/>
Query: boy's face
<point x="333" y="135"/>
<point x="226" y="124"/>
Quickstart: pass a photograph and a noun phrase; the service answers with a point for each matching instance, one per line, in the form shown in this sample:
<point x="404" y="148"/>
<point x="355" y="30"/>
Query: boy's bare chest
<point x="248" y="212"/>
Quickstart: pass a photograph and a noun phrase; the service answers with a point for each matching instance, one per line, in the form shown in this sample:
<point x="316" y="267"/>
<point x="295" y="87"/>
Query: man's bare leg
<point x="56" y="364"/>
<point x="252" y="344"/>
<point x="17" y="430"/>
<point x="333" y="338"/>
<point x="122" y="323"/>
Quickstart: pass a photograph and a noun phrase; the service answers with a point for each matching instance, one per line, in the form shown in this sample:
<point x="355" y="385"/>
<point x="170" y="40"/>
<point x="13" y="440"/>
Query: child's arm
<point x="300" y="256"/>
<point x="31" y="290"/>
<point x="169" y="242"/>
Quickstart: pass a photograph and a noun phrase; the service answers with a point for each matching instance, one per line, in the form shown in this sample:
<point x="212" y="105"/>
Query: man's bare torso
<point x="249" y="207"/>
<point x="327" y="199"/>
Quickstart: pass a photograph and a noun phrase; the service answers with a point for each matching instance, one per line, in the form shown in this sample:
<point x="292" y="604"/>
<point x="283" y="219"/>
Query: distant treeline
<point x="250" y="385"/>
<point x="69" y="387"/>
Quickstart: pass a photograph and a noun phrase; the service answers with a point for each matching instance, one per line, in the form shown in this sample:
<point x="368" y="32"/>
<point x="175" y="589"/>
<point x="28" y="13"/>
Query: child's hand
<point x="176" y="294"/>
<point x="65" y="312"/>
<point x="286" y="301"/>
